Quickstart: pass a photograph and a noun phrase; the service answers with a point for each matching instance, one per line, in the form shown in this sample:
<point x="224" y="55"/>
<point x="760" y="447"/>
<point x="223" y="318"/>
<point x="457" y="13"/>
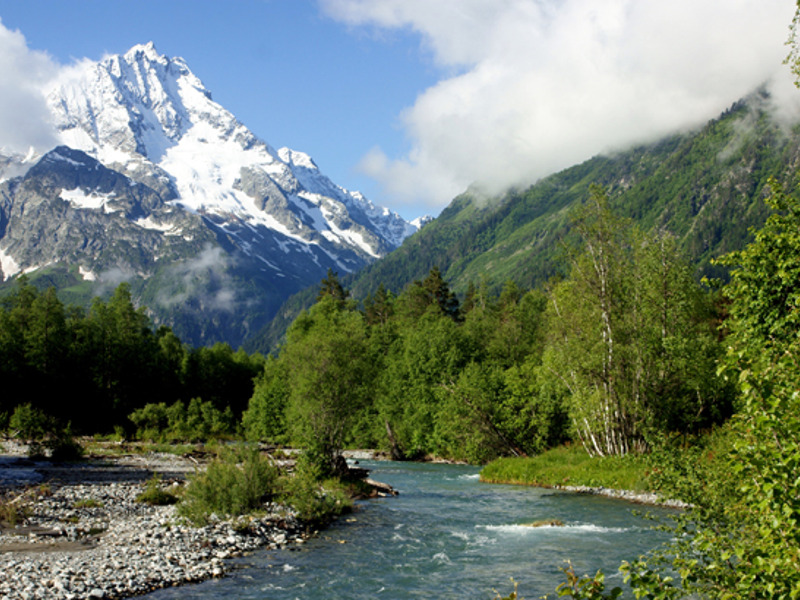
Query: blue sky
<point x="411" y="101"/>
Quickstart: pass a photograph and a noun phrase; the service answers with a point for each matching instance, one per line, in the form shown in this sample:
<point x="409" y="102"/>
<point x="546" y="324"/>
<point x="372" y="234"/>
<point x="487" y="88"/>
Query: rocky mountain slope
<point x="158" y="185"/>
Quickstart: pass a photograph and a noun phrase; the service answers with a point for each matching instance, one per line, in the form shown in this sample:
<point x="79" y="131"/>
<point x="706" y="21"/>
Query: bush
<point x="44" y="434"/>
<point x="62" y="447"/>
<point x="155" y="495"/>
<point x="236" y="483"/>
<point x="29" y="423"/>
<point x="316" y="501"/>
<point x="196" y="422"/>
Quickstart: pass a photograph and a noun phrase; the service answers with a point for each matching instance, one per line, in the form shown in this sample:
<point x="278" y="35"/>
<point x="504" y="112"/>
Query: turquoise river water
<point x="445" y="536"/>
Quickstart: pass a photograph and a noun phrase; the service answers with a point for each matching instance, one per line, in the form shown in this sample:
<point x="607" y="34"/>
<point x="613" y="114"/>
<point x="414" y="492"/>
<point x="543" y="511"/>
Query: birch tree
<point x="629" y="336"/>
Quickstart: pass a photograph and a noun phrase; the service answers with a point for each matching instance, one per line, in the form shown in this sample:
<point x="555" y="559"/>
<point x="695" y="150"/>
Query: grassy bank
<point x="570" y="466"/>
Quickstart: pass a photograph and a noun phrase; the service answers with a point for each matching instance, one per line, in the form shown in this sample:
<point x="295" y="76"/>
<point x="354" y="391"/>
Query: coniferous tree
<point x="331" y="286"/>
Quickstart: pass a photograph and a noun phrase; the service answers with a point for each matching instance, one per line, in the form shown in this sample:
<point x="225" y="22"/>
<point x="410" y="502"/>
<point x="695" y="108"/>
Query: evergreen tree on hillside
<point x="331" y="286"/>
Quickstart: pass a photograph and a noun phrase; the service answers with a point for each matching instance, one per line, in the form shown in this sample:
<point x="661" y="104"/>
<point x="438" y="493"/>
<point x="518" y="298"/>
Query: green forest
<point x="625" y="355"/>
<point x="628" y="356"/>
<point x="93" y="372"/>
<point x="621" y="352"/>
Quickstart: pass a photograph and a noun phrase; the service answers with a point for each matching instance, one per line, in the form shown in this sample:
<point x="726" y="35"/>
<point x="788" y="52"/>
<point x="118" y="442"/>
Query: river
<point x="445" y="536"/>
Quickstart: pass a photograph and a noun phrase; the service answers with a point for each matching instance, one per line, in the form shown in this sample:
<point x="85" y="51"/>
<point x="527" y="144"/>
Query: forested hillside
<point x="705" y="187"/>
<point x="93" y="369"/>
<point x="621" y="351"/>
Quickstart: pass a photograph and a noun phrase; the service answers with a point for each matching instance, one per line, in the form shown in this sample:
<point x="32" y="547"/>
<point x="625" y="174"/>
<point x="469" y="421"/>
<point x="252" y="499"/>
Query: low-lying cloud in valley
<point x="203" y="279"/>
<point x="534" y="86"/>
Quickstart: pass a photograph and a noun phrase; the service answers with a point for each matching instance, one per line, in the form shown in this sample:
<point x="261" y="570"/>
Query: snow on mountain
<point x="155" y="184"/>
<point x="143" y="113"/>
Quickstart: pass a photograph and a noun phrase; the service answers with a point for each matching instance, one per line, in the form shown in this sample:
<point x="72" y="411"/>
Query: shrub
<point x="63" y="447"/>
<point x="44" y="434"/>
<point x="315" y="501"/>
<point x="198" y="421"/>
<point x="29" y="423"/>
<point x="154" y="494"/>
<point x="236" y="483"/>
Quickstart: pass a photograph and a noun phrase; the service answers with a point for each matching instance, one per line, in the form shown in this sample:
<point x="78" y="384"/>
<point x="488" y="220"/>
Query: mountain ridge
<point x="705" y="186"/>
<point x="206" y="217"/>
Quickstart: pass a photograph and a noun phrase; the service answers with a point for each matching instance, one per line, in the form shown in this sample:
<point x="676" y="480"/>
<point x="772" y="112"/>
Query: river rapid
<point x="445" y="536"/>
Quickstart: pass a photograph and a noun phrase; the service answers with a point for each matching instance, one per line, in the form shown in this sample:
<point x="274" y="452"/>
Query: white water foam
<point x="576" y="527"/>
<point x="473" y="539"/>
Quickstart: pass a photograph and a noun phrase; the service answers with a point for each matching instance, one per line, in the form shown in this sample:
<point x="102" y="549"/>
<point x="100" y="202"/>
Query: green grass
<point x="570" y="466"/>
<point x="154" y="495"/>
<point x="88" y="503"/>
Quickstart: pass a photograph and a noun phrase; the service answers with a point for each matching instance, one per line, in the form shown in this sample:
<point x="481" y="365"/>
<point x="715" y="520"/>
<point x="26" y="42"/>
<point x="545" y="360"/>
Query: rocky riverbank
<point x="648" y="498"/>
<point x="86" y="536"/>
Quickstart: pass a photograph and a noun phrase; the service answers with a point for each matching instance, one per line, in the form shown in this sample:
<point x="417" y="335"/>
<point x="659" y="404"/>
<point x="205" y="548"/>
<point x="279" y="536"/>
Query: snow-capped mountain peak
<point x="155" y="183"/>
<point x="143" y="111"/>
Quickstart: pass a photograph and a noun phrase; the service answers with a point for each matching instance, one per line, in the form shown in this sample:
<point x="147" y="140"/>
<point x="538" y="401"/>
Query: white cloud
<point x="534" y="86"/>
<point x="24" y="116"/>
<point x="203" y="278"/>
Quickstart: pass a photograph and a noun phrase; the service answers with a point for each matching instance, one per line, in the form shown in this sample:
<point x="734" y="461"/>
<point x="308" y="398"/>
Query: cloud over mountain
<point x="533" y="86"/>
<point x="24" y="116"/>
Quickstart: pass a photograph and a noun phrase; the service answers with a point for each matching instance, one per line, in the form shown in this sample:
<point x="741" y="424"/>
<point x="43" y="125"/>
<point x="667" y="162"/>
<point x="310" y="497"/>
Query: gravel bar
<point x="87" y="537"/>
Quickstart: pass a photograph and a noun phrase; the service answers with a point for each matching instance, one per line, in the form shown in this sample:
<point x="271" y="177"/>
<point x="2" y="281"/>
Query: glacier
<point x="143" y="112"/>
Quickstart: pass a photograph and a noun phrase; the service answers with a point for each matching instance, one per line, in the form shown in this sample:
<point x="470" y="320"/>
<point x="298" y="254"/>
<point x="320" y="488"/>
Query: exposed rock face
<point x="159" y="185"/>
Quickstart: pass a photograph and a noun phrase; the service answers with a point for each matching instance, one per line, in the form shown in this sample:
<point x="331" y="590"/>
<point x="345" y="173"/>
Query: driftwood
<point x="381" y="488"/>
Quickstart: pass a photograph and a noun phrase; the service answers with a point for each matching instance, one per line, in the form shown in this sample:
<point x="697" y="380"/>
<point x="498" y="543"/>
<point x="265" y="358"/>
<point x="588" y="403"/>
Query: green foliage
<point x="585" y="587"/>
<point x="29" y="423"/>
<point x="630" y="337"/>
<point x="155" y="495"/>
<point x="329" y="376"/>
<point x="265" y="417"/>
<point x="764" y="290"/>
<point x="220" y="376"/>
<point x="332" y="288"/>
<point x="741" y="534"/>
<point x="45" y="435"/>
<point x="236" y="483"/>
<point x="741" y="537"/>
<point x="112" y="360"/>
<point x="572" y="466"/>
<point x="316" y="499"/>
<point x="62" y="446"/>
<point x="622" y="351"/>
<point x="199" y="421"/>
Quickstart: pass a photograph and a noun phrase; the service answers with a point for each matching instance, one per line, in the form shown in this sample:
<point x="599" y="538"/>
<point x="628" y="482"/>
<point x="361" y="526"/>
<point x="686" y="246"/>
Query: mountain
<point x="705" y="186"/>
<point x="156" y="184"/>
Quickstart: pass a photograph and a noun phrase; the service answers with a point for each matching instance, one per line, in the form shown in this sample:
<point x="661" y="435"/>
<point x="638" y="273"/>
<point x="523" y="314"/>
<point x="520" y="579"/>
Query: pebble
<point x="629" y="495"/>
<point x="118" y="548"/>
